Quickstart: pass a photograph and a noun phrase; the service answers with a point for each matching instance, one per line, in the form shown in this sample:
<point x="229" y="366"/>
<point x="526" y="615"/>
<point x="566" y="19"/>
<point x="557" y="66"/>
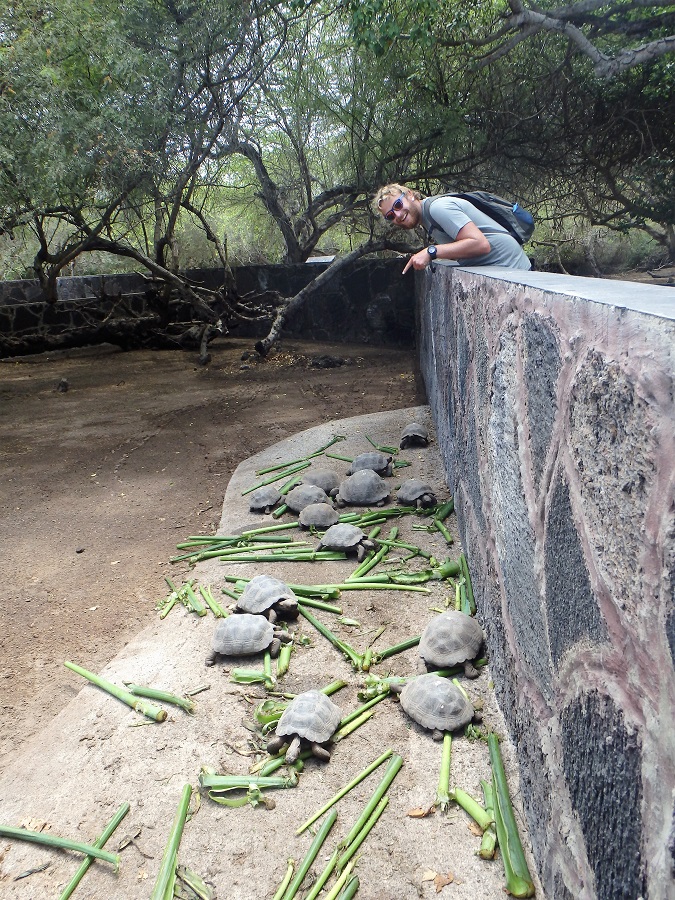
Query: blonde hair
<point x="388" y="190"/>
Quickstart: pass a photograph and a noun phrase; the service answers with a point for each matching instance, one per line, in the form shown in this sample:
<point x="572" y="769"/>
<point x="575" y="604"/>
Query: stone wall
<point x="371" y="304"/>
<point x="553" y="403"/>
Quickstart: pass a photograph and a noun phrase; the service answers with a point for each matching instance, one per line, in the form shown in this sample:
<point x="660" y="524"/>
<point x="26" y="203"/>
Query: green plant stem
<point x="284" y="660"/>
<point x="324" y="876"/>
<point x="467" y="578"/>
<point x="311" y="855"/>
<point x="281" y="890"/>
<point x="169" y="605"/>
<point x="139" y="704"/>
<point x="139" y="690"/>
<point x="360" y="710"/>
<point x="518" y="879"/>
<point x="51" y="840"/>
<point x="289" y="471"/>
<point x="352" y="725"/>
<point x="211" y="602"/>
<point x="276" y="762"/>
<point x="358" y="839"/>
<point x="340" y="883"/>
<point x="488" y="845"/>
<point x="99" y="843"/>
<point x="343" y="647"/>
<point x="472" y="807"/>
<point x="351" y="889"/>
<point x="346" y="789"/>
<point x="443" y="791"/>
<point x="397" y="648"/>
<point x="391" y="772"/>
<point x="318" y="604"/>
<point x="168" y="865"/>
<point x="444" y="531"/>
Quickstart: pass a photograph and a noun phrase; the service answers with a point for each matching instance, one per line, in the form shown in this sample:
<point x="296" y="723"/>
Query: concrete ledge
<point x="96" y="753"/>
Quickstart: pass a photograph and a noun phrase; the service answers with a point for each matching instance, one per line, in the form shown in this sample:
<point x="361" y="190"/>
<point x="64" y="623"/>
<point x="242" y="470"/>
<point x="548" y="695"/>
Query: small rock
<point x="62" y="386"/>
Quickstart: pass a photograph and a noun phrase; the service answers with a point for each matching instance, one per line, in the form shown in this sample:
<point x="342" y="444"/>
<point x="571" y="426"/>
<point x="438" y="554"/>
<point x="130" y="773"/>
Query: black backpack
<point x="517" y="221"/>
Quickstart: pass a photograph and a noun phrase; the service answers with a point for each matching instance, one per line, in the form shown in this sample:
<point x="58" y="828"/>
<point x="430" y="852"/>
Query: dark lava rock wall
<point x="370" y="304"/>
<point x="556" y="423"/>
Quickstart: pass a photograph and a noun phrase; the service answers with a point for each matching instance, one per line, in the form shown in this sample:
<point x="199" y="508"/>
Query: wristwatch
<point x="432" y="251"/>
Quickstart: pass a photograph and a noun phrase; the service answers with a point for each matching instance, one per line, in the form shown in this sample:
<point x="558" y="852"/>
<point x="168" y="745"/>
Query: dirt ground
<point x="101" y="480"/>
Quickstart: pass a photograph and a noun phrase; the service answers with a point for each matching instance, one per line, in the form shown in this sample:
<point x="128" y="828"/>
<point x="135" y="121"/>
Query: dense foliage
<point x="171" y="132"/>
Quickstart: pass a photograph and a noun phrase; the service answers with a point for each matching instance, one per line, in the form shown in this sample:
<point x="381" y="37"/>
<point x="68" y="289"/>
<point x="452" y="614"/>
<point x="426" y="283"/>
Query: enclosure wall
<point x="553" y="403"/>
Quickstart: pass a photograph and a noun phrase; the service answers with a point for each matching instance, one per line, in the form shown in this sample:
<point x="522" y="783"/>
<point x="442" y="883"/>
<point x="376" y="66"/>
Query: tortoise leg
<point x="360" y="552"/>
<point x="272" y="616"/>
<point x="275" y="744"/>
<point x="293" y="751"/>
<point x="275" y="647"/>
<point x="320" y="752"/>
<point x="470" y="671"/>
<point x="437" y="734"/>
<point x="212" y="658"/>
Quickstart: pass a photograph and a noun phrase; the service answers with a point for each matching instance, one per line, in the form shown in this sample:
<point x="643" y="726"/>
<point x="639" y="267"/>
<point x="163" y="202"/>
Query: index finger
<point x="407" y="266"/>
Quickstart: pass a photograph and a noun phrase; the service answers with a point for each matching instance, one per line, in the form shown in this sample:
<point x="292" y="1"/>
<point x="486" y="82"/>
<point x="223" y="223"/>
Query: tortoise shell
<point x="311" y="715"/>
<point x="242" y="635"/>
<point x="262" y="592"/>
<point x="342" y="537"/>
<point x="374" y="460"/>
<point x="326" y="479"/>
<point x="414" y="435"/>
<point x="414" y="489"/>
<point x="319" y="515"/>
<point x="436" y="703"/>
<point x="264" y="498"/>
<point x="303" y="495"/>
<point x="362" y="488"/>
<point x="450" y="639"/>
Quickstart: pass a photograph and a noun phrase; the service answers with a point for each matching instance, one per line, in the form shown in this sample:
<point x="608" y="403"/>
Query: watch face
<point x="432" y="251"/>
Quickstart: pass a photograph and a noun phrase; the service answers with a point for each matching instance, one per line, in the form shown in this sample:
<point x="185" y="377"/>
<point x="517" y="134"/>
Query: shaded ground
<point x="101" y="481"/>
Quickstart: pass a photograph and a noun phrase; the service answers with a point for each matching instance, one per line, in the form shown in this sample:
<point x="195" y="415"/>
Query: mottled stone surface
<point x="602" y="763"/>
<point x="572" y="610"/>
<point x="556" y="422"/>
<point x="541" y="369"/>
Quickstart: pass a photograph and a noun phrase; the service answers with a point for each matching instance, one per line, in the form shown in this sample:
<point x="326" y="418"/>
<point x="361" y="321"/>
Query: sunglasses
<point x="395" y="207"/>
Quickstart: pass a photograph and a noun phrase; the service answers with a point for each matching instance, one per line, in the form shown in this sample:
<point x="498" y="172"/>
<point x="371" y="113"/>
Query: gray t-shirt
<point x="451" y="214"/>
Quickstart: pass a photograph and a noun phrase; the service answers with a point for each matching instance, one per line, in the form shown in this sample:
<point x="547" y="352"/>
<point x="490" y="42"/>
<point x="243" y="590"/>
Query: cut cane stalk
<point x="291" y="470"/>
<point x="311" y="855"/>
<point x="99" y="843"/>
<point x="340" y="883"/>
<point x="281" y="890"/>
<point x="391" y="772"/>
<point x="51" y="840"/>
<point x="152" y="694"/>
<point x="443" y="790"/>
<point x="346" y="789"/>
<point x="354" y="845"/>
<point x="167" y="867"/>
<point x="139" y="704"/>
<point x="342" y="646"/>
<point x="518" y="879"/>
<point x="488" y="846"/>
<point x="351" y="889"/>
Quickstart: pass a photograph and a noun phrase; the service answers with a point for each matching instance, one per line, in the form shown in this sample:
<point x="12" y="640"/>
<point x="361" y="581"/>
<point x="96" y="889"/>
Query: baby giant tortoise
<point x="414" y="435"/>
<point x="451" y="639"/>
<point x="304" y="494"/>
<point x="326" y="479"/>
<point x="318" y="515"/>
<point x="349" y="538"/>
<point x="364" y="488"/>
<point x="268" y="596"/>
<point x="436" y="703"/>
<point x="415" y="492"/>
<point x="264" y="499"/>
<point x="374" y="460"/>
<point x="243" y="635"/>
<point x="311" y="717"/>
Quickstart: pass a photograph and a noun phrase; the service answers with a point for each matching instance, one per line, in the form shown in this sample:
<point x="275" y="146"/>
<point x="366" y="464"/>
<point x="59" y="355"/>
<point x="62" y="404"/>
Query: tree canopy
<point x="124" y="127"/>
